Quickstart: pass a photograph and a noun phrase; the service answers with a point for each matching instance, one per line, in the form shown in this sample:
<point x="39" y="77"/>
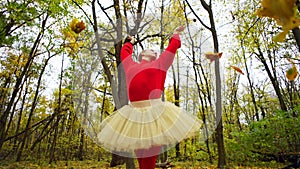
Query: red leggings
<point x="145" y="157"/>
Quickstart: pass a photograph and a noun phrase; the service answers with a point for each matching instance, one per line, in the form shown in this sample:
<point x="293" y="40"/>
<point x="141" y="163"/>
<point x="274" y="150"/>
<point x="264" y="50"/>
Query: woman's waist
<point x="145" y="103"/>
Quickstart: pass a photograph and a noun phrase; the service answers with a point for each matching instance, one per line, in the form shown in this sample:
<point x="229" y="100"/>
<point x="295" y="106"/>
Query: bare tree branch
<point x="198" y="18"/>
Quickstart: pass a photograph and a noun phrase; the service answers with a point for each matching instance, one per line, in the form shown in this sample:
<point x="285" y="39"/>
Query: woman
<point x="147" y="123"/>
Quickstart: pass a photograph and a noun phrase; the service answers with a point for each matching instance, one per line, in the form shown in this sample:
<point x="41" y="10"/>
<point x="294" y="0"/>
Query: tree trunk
<point x="14" y="108"/>
<point x="176" y="98"/>
<point x="273" y="79"/>
<point x="54" y="140"/>
<point x="35" y="99"/>
<point x="3" y="117"/>
<point x="162" y="158"/>
<point x="81" y="145"/>
<point x="116" y="160"/>
<point x="203" y="93"/>
<point x="15" y="148"/>
<point x="57" y="111"/>
<point x="219" y="130"/>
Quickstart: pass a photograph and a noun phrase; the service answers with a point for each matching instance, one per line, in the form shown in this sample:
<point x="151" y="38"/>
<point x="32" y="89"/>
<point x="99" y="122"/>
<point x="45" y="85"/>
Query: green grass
<point x="105" y="165"/>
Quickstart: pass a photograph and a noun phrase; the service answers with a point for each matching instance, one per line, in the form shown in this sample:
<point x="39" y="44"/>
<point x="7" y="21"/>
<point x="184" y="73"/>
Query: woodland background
<point x="47" y="65"/>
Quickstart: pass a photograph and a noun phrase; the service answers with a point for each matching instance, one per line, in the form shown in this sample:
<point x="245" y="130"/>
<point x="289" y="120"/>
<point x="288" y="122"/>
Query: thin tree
<point x="36" y="92"/>
<point x="219" y="121"/>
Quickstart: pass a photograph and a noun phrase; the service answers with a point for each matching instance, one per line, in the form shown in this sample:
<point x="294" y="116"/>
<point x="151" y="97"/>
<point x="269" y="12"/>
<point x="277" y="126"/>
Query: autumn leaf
<point x="292" y="72"/>
<point x="213" y="56"/>
<point x="77" y="26"/>
<point x="284" y="12"/>
<point x="238" y="69"/>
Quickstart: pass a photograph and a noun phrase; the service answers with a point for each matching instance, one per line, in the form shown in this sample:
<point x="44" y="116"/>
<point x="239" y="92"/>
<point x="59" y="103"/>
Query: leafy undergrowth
<point x="105" y="165"/>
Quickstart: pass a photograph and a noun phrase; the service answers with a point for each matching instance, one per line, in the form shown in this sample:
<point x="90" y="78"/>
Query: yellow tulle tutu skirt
<point x="144" y="124"/>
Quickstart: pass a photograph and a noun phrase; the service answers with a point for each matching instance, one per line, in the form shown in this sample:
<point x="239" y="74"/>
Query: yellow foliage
<point x="13" y="65"/>
<point x="284" y="12"/>
<point x="71" y="33"/>
<point x="169" y="94"/>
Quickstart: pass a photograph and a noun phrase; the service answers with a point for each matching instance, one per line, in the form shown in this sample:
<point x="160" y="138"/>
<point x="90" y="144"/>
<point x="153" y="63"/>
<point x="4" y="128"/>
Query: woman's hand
<point x="130" y="39"/>
<point x="179" y="29"/>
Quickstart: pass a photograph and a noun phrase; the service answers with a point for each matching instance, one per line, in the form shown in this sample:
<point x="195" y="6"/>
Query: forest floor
<point x="105" y="165"/>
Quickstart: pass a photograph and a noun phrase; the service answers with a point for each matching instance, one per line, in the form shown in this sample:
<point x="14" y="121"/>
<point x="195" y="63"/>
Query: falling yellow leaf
<point x="77" y="26"/>
<point x="284" y="12"/>
<point x="213" y="56"/>
<point x="292" y="73"/>
<point x="238" y="69"/>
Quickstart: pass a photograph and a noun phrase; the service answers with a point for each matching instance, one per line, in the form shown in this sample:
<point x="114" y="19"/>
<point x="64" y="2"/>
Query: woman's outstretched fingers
<point x="132" y="39"/>
<point x="179" y="29"/>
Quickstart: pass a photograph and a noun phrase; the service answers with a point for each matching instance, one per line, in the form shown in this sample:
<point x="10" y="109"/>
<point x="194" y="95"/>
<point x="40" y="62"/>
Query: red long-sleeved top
<point x="146" y="80"/>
